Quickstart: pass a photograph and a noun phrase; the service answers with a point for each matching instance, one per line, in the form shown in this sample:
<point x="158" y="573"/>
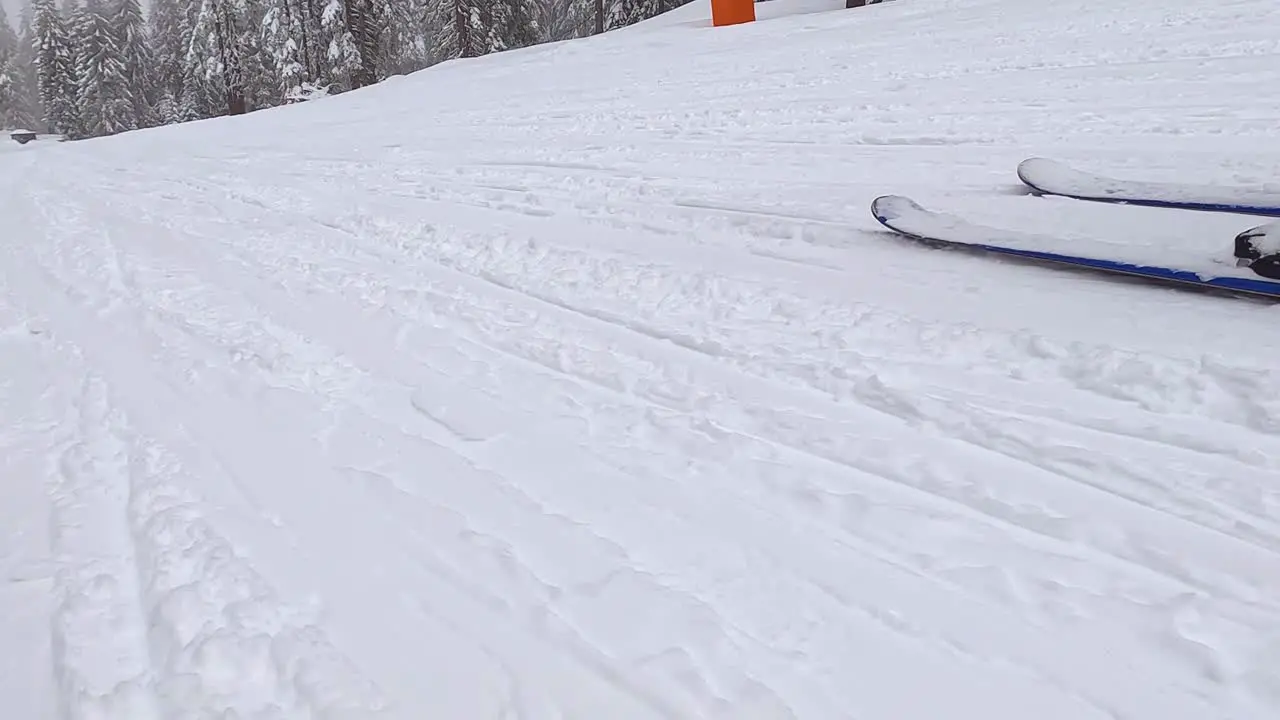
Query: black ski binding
<point x="1249" y="255"/>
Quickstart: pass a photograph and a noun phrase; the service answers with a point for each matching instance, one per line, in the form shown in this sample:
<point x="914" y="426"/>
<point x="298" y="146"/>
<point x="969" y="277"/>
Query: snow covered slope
<point x="578" y="382"/>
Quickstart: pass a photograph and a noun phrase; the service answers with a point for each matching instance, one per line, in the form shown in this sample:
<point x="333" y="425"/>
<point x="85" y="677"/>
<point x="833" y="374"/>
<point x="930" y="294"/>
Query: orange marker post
<point x="732" y="12"/>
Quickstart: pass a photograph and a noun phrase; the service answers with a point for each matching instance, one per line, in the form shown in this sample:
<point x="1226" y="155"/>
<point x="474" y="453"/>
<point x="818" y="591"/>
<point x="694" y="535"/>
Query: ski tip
<point x="1033" y="168"/>
<point x="1037" y="161"/>
<point x="890" y="207"/>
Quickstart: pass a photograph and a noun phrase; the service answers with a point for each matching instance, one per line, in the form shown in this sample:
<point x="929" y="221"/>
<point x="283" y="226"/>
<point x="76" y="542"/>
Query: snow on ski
<point x="1055" y="178"/>
<point x="905" y="216"/>
<point x="1261" y="241"/>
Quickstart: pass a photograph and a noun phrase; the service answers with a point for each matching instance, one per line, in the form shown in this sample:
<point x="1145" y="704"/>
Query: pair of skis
<point x="1259" y="263"/>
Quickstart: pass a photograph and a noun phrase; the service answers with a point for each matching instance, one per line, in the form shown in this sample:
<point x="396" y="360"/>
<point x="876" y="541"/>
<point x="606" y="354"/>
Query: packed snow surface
<point x="579" y="382"/>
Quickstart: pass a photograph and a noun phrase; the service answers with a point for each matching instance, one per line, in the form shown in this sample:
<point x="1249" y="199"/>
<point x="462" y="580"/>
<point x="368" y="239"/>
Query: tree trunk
<point x="462" y="25"/>
<point x="231" y="65"/>
<point x="360" y="23"/>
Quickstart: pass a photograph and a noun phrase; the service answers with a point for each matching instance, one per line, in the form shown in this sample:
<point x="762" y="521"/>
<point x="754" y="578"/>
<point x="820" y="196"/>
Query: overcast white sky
<point x="12" y="6"/>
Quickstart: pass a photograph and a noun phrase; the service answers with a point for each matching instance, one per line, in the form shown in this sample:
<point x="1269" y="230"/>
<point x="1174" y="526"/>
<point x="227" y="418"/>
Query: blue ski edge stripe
<point x="1262" y="287"/>
<point x="1149" y="202"/>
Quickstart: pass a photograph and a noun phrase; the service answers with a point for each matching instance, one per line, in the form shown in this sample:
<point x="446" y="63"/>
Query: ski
<point x="1050" y="177"/>
<point x="905" y="217"/>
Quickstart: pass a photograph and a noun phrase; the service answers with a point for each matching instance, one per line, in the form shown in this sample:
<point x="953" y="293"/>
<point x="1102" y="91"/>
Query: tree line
<point x="88" y="68"/>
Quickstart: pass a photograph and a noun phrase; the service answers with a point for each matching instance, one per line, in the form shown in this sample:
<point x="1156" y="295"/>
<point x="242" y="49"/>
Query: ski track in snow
<point x="593" y="403"/>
